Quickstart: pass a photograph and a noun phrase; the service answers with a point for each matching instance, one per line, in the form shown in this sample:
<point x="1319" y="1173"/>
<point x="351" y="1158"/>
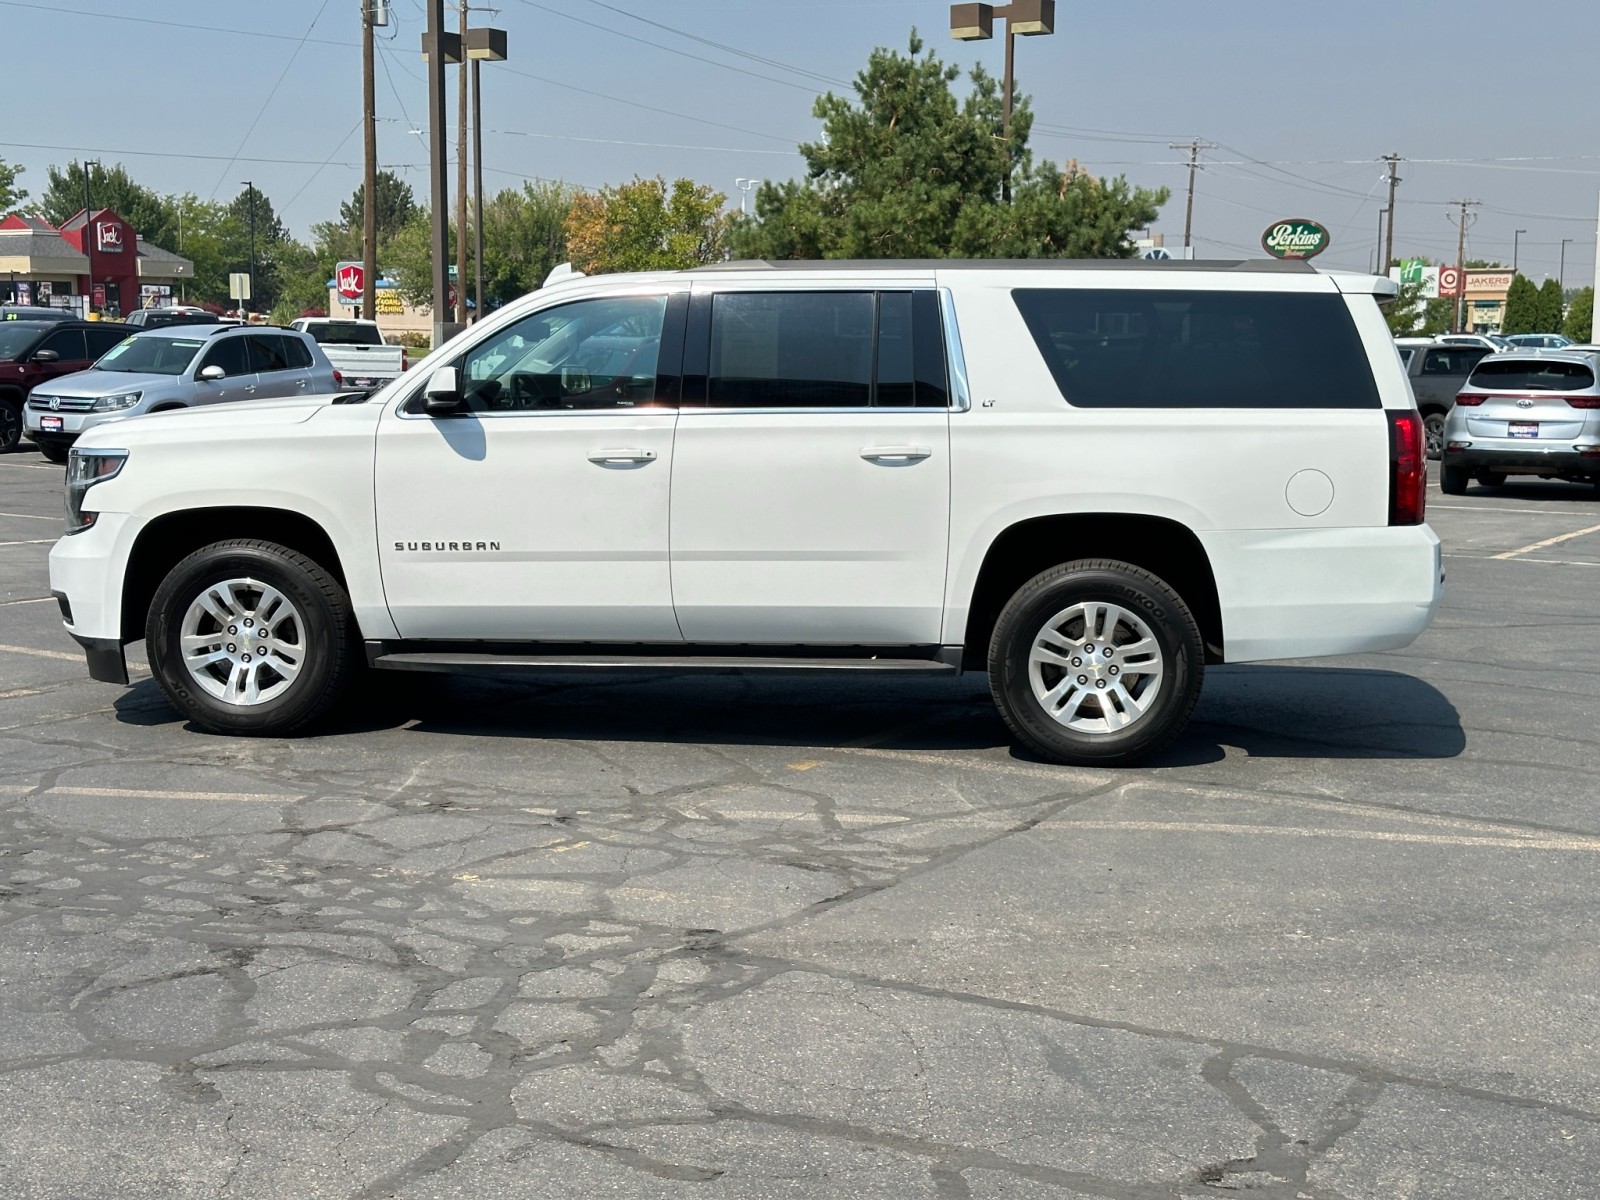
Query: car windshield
<point x="1521" y="375"/>
<point x="16" y="337"/>
<point x="151" y="355"/>
<point x="345" y="333"/>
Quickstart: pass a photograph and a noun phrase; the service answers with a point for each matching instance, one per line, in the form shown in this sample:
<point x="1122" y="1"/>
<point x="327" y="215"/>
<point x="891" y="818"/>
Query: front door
<point x="811" y="483"/>
<point x="539" y="513"/>
<point x="238" y="380"/>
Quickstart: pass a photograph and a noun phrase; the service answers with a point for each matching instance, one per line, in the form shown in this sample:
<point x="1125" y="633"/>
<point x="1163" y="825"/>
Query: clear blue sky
<point x="1317" y="91"/>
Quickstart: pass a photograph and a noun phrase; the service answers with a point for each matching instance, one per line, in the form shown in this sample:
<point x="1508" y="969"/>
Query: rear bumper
<point x="1523" y="458"/>
<point x="1309" y="593"/>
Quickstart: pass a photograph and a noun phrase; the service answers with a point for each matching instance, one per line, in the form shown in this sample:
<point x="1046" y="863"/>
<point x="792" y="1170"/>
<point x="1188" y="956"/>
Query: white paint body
<point x="767" y="527"/>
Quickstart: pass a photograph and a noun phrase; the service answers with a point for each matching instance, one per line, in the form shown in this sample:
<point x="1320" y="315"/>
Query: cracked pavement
<point x="751" y="938"/>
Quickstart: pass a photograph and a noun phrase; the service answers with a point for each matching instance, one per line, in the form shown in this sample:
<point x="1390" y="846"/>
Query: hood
<point x="220" y="421"/>
<point x="94" y="384"/>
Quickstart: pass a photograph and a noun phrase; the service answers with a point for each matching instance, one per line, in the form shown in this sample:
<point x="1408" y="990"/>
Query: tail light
<point x="1470" y="399"/>
<point x="405" y="359"/>
<point x="1583" y="401"/>
<point x="1408" y="469"/>
<point x="338" y="377"/>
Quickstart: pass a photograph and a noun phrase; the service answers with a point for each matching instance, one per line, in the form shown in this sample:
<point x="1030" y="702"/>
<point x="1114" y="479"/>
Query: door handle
<point x="896" y="453"/>
<point x="622" y="456"/>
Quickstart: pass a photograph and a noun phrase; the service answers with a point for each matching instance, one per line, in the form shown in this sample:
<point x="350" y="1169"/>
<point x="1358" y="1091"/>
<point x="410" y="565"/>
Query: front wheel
<point x="1096" y="663"/>
<point x="249" y="637"/>
<point x="1453" y="480"/>
<point x="10" y="424"/>
<point x="53" y="451"/>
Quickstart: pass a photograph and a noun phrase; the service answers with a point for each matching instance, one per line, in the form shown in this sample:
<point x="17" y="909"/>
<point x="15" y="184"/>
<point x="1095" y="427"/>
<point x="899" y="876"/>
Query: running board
<point x="532" y="664"/>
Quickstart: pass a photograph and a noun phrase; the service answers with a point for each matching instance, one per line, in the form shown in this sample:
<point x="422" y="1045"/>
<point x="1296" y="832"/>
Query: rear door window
<point x="297" y="352"/>
<point x="267" y="353"/>
<point x="1453" y="360"/>
<point x="102" y="340"/>
<point x="1525" y="376"/>
<point x="1128" y="348"/>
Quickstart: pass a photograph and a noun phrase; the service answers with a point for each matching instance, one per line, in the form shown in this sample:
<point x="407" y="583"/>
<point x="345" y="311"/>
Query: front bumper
<point x="59" y="428"/>
<point x="86" y="575"/>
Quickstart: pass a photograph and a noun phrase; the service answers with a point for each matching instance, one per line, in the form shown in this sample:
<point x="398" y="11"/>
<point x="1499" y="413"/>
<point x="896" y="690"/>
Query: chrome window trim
<point x="863" y="410"/>
<point x="955" y="358"/>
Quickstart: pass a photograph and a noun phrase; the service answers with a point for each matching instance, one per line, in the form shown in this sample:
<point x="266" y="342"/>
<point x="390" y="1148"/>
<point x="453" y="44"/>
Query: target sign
<point x="1449" y="281"/>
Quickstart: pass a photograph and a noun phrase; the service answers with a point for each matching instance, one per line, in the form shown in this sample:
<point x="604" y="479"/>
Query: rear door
<point x="811" y="476"/>
<point x="276" y="376"/>
<point x="1442" y="373"/>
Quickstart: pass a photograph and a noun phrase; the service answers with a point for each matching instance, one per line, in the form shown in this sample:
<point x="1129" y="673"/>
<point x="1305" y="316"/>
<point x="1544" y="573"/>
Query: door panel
<point x="811" y="528"/>
<point x="539" y="513"/>
<point x="232" y="355"/>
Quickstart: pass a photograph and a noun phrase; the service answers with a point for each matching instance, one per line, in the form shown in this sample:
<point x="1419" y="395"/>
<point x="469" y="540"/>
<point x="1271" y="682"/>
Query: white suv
<point x="1087" y="479"/>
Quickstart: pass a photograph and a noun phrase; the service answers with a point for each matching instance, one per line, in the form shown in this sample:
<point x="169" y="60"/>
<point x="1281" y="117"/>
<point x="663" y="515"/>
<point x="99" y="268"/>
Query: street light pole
<point x="1515" y="238"/>
<point x="1561" y="274"/>
<point x="436" y="44"/>
<point x="88" y="232"/>
<point x="481" y="44"/>
<point x="975" y="23"/>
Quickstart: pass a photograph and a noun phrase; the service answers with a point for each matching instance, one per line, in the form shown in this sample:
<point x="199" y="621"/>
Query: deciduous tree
<point x="10" y="194"/>
<point x="646" y="226"/>
<point x="1579" y="325"/>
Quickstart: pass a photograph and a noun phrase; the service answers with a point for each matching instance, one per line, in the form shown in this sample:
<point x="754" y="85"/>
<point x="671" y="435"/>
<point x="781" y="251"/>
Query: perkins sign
<point x="1295" y="238"/>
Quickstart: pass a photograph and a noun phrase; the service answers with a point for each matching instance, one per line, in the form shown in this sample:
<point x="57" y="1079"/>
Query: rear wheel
<point x="1453" y="480"/>
<point x="249" y="637"/>
<point x="1096" y="663"/>
<point x="1433" y="434"/>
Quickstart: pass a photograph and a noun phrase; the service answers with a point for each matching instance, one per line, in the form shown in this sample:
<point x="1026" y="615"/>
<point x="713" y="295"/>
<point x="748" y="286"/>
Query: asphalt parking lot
<point x="741" y="938"/>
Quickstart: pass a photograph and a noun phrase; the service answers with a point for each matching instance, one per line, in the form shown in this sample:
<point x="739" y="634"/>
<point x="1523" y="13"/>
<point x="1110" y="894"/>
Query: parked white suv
<point x="1087" y="479"/>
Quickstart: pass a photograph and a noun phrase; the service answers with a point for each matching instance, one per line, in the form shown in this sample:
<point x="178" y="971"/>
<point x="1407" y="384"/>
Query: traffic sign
<point x="239" y="286"/>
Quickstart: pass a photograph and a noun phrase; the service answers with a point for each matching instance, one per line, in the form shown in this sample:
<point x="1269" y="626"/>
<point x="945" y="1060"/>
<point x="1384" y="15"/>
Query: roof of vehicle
<point x="206" y="331"/>
<point x="35" y="312"/>
<point x="1565" y="354"/>
<point x="1267" y="265"/>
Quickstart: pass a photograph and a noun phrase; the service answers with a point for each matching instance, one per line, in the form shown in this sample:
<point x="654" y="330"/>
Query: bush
<point x="411" y="339"/>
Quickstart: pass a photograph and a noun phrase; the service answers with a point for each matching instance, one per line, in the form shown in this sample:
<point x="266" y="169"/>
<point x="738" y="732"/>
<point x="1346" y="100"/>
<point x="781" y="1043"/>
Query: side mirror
<point x="442" y="395"/>
<point x="45" y="356"/>
<point x="212" y="373"/>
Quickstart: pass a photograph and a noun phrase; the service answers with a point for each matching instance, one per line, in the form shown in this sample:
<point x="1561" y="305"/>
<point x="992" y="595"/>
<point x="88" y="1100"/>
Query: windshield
<point x="151" y="355"/>
<point x="345" y="333"/>
<point x="16" y="337"/>
<point x="1523" y="376"/>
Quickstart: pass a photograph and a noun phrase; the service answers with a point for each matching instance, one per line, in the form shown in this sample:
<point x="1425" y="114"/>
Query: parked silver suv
<point x="178" y="366"/>
<point x="1525" y="413"/>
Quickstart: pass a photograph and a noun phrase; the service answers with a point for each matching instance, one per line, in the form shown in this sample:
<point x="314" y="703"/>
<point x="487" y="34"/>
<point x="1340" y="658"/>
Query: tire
<point x="10" y="423"/>
<point x="216" y="594"/>
<point x="1453" y="480"/>
<point x="1433" y="435"/>
<point x="1152" y="711"/>
<point x="53" y="451"/>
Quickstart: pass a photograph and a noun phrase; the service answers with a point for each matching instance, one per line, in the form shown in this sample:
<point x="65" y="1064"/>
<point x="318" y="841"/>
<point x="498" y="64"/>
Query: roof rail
<point x="1244" y="265"/>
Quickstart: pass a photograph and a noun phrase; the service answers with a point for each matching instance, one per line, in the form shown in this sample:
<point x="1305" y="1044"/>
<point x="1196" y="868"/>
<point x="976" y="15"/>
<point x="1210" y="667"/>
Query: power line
<point x="262" y="110"/>
<point x="57" y="10"/>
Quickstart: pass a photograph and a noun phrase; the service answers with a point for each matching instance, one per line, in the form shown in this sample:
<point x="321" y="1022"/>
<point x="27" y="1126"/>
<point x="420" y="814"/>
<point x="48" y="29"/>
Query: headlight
<point x="116" y="403"/>
<point x="85" y="468"/>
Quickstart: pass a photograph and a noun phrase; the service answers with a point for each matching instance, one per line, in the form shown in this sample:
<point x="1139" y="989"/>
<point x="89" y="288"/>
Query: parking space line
<point x="1588" y="845"/>
<point x="29" y="517"/>
<point x="17" y="789"/>
<point x="31" y="600"/>
<point x="1536" y="512"/>
<point x="62" y="655"/>
<point x="31" y="542"/>
<point x="1552" y="541"/>
<point x="1547" y="562"/>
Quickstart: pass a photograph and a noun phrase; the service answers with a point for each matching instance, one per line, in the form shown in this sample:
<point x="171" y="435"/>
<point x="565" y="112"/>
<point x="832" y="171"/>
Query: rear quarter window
<point x="1522" y="375"/>
<point x="1125" y="348"/>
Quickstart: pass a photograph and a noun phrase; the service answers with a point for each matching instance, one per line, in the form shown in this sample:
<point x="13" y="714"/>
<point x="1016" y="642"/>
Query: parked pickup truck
<point x="357" y="351"/>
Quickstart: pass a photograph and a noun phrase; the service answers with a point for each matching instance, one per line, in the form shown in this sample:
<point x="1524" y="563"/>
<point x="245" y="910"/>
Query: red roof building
<point x="95" y="262"/>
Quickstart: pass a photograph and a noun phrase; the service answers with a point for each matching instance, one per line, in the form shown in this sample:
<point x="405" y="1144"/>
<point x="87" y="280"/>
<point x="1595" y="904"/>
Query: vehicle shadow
<point x="1551" y="491"/>
<point x="1325" y="712"/>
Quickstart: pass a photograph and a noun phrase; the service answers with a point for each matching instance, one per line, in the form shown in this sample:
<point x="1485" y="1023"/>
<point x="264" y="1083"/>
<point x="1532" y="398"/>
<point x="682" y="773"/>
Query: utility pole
<point x="251" y="299"/>
<point x="369" y="182"/>
<point x="1561" y="273"/>
<point x="1516" y="238"/>
<point x="1461" y="261"/>
<point x="1194" y="147"/>
<point x="438" y="175"/>
<point x="1394" y="160"/>
<point x="88" y="232"/>
<point x="461" y="177"/>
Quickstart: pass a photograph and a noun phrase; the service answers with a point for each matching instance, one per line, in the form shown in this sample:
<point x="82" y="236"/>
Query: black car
<point x="155" y="318"/>
<point x="35" y="312"/>
<point x="34" y="351"/>
<point x="1437" y="373"/>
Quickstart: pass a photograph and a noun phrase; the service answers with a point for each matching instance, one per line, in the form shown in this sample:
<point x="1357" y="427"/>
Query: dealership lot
<point x="748" y="937"/>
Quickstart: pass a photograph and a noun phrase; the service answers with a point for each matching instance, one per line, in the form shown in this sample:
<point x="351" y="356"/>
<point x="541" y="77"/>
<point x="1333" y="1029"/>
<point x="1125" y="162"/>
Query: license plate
<point x="51" y="423"/>
<point x="1523" y="428"/>
<point x="362" y="382"/>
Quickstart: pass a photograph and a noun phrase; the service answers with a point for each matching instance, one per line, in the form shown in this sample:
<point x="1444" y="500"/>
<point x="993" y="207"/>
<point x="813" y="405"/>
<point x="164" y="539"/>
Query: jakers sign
<point x="1295" y="238"/>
